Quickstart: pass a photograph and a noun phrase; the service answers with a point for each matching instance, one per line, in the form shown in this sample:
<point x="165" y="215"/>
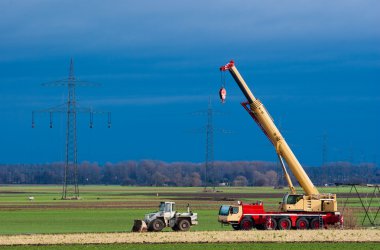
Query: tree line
<point x="160" y="173"/>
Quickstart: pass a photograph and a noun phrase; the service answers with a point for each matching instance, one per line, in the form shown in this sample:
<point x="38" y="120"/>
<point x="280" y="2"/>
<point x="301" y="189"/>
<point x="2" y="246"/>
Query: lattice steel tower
<point x="210" y="175"/>
<point x="71" y="109"/>
<point x="209" y="164"/>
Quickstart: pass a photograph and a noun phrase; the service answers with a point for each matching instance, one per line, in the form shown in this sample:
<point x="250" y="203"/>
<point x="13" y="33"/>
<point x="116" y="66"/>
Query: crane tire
<point x="314" y="224"/>
<point x="284" y="224"/>
<point x="272" y="225"/>
<point x="302" y="223"/>
<point x="246" y="224"/>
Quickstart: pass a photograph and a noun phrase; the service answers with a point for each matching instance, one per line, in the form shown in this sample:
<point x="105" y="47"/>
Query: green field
<point x="113" y="208"/>
<point x="86" y="220"/>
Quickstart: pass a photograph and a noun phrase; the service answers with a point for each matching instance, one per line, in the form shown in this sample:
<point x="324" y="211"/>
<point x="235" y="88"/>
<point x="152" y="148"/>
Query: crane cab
<point x="292" y="202"/>
<point x="230" y="214"/>
<point x="309" y="203"/>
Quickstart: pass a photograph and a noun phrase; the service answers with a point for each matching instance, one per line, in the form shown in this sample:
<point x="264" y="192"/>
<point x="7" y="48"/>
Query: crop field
<point x="110" y="210"/>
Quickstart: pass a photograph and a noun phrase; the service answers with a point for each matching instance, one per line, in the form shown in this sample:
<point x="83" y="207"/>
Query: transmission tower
<point x="71" y="109"/>
<point x="210" y="179"/>
<point x="209" y="164"/>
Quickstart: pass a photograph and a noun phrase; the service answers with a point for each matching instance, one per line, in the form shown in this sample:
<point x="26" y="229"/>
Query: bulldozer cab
<point x="168" y="210"/>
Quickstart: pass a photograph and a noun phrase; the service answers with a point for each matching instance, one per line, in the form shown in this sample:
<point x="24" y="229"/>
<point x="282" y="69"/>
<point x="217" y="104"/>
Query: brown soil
<point x="200" y="199"/>
<point x="220" y="195"/>
<point x="196" y="237"/>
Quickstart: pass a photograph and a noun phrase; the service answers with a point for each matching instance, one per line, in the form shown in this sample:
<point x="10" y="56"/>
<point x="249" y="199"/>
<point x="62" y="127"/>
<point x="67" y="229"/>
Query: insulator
<point x="51" y="120"/>
<point x="91" y="119"/>
<point x="109" y="119"/>
<point x="32" y="119"/>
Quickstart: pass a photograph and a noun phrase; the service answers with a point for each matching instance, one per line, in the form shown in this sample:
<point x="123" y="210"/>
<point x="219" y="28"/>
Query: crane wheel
<point x="302" y="223"/>
<point x="246" y="224"/>
<point x="235" y="226"/>
<point x="284" y="224"/>
<point x="314" y="224"/>
<point x="156" y="225"/>
<point x="271" y="224"/>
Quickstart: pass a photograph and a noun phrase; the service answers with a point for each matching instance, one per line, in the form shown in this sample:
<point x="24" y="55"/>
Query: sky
<point x="314" y="64"/>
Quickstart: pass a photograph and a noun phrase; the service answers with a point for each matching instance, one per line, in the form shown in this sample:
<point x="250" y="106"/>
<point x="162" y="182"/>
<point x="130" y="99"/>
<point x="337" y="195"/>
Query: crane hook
<point x="222" y="94"/>
<point x="222" y="90"/>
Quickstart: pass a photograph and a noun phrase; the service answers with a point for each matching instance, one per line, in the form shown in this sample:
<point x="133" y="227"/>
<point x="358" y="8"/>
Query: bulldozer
<point x="166" y="216"/>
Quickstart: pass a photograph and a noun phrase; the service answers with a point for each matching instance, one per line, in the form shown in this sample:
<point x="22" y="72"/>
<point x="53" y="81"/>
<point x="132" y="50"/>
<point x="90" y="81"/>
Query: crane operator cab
<point x="309" y="203"/>
<point x="292" y="202"/>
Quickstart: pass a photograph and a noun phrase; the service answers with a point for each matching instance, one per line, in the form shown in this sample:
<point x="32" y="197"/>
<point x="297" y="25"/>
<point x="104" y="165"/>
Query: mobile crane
<point x="302" y="211"/>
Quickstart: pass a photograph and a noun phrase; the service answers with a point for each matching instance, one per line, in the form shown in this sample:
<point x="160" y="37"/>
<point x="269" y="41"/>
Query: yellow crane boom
<point x="265" y="121"/>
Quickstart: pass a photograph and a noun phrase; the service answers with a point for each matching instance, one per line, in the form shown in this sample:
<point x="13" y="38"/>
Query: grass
<point x="219" y="246"/>
<point x="108" y="208"/>
<point x="63" y="221"/>
<point x="86" y="221"/>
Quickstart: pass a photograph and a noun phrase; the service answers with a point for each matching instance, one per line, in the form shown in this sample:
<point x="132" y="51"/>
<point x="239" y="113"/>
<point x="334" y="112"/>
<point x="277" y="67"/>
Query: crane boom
<point x="265" y="121"/>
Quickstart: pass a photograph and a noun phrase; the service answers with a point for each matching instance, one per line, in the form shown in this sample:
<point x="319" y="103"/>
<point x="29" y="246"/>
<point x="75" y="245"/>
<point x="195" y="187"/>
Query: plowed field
<point x="196" y="237"/>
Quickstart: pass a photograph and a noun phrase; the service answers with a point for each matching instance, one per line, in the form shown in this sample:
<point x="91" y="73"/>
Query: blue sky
<point x="314" y="64"/>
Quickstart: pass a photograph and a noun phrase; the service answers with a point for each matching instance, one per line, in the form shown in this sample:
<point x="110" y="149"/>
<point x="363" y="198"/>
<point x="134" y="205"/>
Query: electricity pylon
<point x="71" y="109"/>
<point x="210" y="179"/>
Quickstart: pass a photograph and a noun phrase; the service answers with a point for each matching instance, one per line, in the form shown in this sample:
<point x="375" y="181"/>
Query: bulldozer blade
<point x="139" y="226"/>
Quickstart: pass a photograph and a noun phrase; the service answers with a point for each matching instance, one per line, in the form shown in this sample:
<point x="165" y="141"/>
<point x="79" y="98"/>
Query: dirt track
<point x="196" y="237"/>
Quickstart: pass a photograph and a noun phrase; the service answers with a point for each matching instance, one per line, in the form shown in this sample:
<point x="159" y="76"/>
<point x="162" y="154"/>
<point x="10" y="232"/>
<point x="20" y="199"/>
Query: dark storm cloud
<point x="315" y="64"/>
<point x="58" y="27"/>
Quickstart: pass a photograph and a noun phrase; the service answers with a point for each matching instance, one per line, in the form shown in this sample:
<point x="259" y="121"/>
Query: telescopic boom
<point x="265" y="122"/>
